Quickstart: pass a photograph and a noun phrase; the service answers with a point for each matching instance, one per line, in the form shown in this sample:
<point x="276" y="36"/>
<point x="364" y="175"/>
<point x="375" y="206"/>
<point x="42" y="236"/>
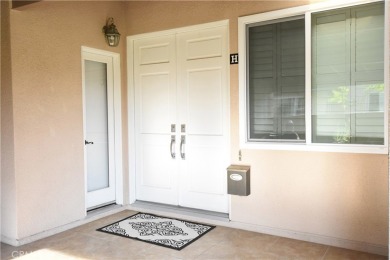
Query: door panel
<point x="203" y="158"/>
<point x="157" y="178"/>
<point x="99" y="129"/>
<point x="203" y="102"/>
<point x="204" y="47"/>
<point x="96" y="124"/>
<point x="155" y="103"/>
<point x="205" y="108"/>
<point x="155" y="53"/>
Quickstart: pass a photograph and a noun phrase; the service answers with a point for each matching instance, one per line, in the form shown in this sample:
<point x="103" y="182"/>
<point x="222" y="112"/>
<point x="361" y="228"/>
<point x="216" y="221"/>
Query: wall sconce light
<point x="111" y="33"/>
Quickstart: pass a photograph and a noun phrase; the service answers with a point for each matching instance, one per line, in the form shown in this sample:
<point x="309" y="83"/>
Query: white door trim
<point x="117" y="119"/>
<point x="131" y="94"/>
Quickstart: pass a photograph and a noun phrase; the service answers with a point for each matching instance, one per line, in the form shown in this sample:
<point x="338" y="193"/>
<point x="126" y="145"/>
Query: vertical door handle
<point x="173" y="141"/>
<point x="182" y="143"/>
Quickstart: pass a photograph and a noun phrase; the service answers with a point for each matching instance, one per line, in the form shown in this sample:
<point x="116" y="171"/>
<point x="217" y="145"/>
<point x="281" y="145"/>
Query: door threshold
<point x="199" y="213"/>
<point x="102" y="209"/>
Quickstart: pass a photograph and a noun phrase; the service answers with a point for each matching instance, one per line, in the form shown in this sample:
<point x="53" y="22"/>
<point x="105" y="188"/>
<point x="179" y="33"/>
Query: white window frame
<point x="307" y="11"/>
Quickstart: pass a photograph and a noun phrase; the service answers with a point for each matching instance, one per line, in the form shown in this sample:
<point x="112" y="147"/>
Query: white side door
<point x="98" y="90"/>
<point x="203" y="103"/>
<point x="155" y="112"/>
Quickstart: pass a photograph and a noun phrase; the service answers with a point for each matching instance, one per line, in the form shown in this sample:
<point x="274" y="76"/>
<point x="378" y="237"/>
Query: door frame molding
<point x="117" y="105"/>
<point x="131" y="93"/>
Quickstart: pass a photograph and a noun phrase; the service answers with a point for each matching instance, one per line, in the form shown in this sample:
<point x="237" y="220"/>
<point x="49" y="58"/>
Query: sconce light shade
<point x="111" y="33"/>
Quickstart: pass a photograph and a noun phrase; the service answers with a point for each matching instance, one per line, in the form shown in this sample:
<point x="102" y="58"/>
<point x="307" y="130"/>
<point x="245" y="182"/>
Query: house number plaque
<point x="234" y="58"/>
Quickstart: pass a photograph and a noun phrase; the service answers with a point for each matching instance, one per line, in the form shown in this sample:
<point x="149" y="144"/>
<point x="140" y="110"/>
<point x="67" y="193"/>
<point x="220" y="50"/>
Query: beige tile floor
<point x="221" y="243"/>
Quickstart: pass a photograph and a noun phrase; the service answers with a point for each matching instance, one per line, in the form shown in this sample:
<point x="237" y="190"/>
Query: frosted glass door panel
<point x="96" y="125"/>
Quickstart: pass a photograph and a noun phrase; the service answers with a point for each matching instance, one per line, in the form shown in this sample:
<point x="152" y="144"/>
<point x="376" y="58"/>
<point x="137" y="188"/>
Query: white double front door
<point x="182" y="118"/>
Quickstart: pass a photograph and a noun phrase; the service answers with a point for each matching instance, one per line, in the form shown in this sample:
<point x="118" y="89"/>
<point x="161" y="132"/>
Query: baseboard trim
<point x="9" y="241"/>
<point x="309" y="237"/>
<point x="47" y="233"/>
<point x="314" y="238"/>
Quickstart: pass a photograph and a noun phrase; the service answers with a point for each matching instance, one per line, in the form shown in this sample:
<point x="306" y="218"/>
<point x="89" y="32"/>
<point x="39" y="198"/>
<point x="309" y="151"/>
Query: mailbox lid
<point x="239" y="168"/>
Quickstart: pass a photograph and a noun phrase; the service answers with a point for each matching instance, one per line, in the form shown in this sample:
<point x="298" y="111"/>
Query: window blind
<point x="348" y="75"/>
<point x="276" y="81"/>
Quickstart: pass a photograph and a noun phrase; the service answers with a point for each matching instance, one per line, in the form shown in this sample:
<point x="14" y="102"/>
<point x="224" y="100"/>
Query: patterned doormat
<point x="162" y="231"/>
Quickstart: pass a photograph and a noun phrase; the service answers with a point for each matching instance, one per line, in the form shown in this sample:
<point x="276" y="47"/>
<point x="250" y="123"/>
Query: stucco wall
<point x="335" y="195"/>
<point x="8" y="193"/>
<point x="46" y="40"/>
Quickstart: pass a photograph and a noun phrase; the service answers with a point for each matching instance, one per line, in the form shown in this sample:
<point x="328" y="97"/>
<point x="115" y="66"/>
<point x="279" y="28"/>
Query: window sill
<point x="337" y="148"/>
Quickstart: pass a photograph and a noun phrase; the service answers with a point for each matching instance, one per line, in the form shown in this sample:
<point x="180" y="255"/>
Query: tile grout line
<point x="219" y="242"/>
<point x="326" y="252"/>
<point x="273" y="244"/>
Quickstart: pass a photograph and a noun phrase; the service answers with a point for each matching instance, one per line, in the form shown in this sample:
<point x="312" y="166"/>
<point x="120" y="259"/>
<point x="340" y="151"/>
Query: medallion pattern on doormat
<point x="162" y="231"/>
